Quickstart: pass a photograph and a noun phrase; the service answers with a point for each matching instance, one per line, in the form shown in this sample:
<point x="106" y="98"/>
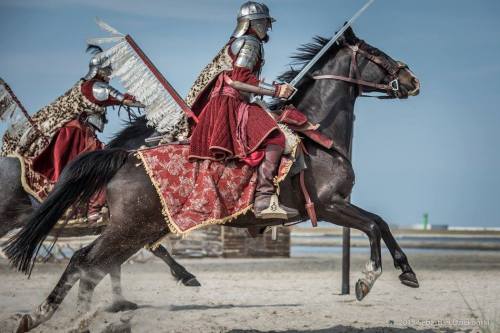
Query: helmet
<point x="256" y="14"/>
<point x="99" y="64"/>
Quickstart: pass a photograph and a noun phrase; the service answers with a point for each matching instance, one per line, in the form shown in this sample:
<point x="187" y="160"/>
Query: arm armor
<point x="103" y="91"/>
<point x="261" y="89"/>
<point x="248" y="51"/>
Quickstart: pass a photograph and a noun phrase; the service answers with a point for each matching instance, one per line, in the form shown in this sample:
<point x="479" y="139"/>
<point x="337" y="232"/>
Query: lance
<point x="23" y="110"/>
<point x="327" y="46"/>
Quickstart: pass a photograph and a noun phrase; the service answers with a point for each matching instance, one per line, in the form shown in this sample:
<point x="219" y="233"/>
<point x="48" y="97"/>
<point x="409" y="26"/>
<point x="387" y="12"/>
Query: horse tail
<point x="83" y="177"/>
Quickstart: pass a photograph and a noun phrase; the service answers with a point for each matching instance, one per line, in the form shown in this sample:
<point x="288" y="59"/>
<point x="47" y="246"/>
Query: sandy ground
<point x="262" y="295"/>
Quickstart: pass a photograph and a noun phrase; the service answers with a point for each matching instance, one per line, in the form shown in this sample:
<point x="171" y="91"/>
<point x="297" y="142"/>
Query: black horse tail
<point x="79" y="181"/>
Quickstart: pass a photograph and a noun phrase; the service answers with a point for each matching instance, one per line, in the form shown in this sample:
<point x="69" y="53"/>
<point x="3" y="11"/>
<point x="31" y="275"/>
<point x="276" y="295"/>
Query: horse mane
<point x="306" y="52"/>
<point x="136" y="128"/>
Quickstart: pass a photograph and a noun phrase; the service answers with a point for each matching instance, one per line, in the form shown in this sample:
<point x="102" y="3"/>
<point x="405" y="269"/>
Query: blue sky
<point x="435" y="153"/>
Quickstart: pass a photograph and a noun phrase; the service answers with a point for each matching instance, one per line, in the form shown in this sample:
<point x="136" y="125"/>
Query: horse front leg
<point x="177" y="270"/>
<point x="119" y="303"/>
<point x="408" y="276"/>
<point x="344" y="214"/>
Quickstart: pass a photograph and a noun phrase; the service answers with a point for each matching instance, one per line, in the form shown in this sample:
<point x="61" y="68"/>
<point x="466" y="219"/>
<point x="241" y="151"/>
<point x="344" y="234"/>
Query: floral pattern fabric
<point x="198" y="193"/>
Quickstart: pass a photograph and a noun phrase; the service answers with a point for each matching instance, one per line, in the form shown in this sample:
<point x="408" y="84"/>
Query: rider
<point x="70" y="124"/>
<point x="230" y="125"/>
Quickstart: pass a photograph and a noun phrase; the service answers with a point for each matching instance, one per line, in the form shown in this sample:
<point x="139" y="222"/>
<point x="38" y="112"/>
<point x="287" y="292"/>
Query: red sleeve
<point x="243" y="74"/>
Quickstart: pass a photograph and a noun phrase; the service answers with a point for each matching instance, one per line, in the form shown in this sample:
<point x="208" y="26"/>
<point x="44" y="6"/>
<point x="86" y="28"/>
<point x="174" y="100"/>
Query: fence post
<point x="346" y="233"/>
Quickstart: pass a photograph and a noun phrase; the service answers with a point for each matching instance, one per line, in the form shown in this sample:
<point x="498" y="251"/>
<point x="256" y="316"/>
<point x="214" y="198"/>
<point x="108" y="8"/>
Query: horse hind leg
<point x="408" y="276"/>
<point x="50" y="305"/>
<point x="177" y="270"/>
<point x="119" y="303"/>
<point x="344" y="214"/>
<point x="15" y="205"/>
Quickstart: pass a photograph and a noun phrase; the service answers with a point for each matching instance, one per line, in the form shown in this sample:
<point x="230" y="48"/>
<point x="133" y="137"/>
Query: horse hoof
<point x="191" y="282"/>
<point x="362" y="290"/>
<point x="24" y="324"/>
<point x="121" y="305"/>
<point x="409" y="279"/>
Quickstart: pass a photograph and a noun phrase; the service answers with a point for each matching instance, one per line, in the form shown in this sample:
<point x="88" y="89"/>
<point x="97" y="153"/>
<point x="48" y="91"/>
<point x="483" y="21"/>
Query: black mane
<point x="306" y="52"/>
<point x="131" y="135"/>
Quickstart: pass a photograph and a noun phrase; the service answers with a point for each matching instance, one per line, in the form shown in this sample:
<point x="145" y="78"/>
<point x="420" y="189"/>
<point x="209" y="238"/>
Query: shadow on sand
<point x="189" y="307"/>
<point x="350" y="329"/>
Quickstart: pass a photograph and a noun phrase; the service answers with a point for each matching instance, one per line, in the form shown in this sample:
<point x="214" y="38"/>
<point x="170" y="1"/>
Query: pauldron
<point x="102" y="91"/>
<point x="248" y="51"/>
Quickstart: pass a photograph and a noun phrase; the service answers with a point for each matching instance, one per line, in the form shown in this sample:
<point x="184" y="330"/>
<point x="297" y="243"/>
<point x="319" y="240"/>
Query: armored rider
<point x="70" y="124"/>
<point x="230" y="125"/>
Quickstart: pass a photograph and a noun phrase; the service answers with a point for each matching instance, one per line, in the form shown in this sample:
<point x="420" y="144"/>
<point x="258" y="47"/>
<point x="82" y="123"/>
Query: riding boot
<point x="266" y="205"/>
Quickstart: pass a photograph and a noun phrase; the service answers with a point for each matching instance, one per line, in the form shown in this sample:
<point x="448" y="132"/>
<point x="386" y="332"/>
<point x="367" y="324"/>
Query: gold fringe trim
<point x="24" y="184"/>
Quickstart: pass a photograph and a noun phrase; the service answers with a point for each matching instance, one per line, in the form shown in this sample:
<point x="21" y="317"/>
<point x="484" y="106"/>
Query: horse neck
<point x="331" y="103"/>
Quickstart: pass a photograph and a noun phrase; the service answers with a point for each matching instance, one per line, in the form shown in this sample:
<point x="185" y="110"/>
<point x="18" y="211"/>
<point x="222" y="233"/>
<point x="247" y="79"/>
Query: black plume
<point x="93" y="49"/>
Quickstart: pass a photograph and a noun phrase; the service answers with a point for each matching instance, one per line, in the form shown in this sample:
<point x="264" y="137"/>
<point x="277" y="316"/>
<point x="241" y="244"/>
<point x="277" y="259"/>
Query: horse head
<point x="369" y="65"/>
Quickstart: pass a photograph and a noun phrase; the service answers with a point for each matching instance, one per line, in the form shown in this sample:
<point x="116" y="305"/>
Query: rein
<point x="391" y="89"/>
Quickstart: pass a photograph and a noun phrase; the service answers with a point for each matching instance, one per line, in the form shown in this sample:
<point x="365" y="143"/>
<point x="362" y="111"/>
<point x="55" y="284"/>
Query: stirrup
<point x="274" y="211"/>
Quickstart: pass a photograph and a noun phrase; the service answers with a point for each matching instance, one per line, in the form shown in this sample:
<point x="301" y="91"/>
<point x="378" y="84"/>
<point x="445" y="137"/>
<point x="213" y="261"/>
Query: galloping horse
<point x="16" y="206"/>
<point x="330" y="178"/>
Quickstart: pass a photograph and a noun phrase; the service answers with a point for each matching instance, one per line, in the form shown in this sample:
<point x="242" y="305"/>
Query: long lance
<point x="23" y="110"/>
<point x="327" y="46"/>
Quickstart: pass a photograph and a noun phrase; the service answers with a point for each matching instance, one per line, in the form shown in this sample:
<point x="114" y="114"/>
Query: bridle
<point x="392" y="69"/>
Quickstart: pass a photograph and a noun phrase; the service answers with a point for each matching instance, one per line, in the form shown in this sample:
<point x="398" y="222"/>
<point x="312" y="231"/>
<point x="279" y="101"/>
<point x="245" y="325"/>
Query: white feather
<point x="162" y="111"/>
<point x="104" y="40"/>
<point x="106" y="27"/>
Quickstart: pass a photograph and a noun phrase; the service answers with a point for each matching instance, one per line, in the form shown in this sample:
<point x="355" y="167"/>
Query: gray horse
<point x="16" y="205"/>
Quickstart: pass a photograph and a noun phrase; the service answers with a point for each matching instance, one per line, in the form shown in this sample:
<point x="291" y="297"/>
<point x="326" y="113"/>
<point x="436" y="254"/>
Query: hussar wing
<point x="12" y="117"/>
<point x="165" y="110"/>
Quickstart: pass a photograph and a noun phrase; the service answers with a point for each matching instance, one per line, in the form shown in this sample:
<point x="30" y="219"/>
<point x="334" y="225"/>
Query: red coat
<point x="71" y="140"/>
<point x="229" y="127"/>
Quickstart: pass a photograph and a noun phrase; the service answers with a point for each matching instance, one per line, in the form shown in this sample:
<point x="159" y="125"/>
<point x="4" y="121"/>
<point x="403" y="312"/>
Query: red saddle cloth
<point x="33" y="182"/>
<point x="197" y="193"/>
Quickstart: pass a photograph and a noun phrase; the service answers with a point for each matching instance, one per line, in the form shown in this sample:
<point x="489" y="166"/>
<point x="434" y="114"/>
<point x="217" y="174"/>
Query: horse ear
<point x="349" y="34"/>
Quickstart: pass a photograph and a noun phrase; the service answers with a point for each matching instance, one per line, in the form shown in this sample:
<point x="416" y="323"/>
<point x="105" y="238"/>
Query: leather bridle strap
<point x="391" y="88"/>
<point x="355" y="81"/>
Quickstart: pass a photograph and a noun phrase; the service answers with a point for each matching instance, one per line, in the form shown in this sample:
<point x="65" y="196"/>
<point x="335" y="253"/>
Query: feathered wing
<point x="12" y="119"/>
<point x="165" y="111"/>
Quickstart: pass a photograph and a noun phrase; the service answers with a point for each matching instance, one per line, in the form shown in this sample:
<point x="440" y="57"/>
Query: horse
<point x="16" y="204"/>
<point x="136" y="210"/>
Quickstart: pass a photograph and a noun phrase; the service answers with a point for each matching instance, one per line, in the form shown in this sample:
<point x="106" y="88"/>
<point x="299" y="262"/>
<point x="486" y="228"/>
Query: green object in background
<point x="426" y="221"/>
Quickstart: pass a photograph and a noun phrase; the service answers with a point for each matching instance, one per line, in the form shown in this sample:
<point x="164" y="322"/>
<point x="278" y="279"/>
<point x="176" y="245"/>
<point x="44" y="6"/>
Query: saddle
<point x="298" y="122"/>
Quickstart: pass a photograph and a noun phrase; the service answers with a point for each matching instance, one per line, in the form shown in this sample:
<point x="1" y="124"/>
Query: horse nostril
<point x="416" y="87"/>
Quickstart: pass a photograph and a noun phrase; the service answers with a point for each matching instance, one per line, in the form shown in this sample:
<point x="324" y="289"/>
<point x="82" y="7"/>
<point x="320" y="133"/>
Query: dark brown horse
<point x="16" y="205"/>
<point x="136" y="218"/>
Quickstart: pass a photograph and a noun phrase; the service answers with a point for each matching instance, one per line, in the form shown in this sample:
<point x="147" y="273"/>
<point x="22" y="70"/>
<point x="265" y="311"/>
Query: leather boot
<point x="266" y="205"/>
